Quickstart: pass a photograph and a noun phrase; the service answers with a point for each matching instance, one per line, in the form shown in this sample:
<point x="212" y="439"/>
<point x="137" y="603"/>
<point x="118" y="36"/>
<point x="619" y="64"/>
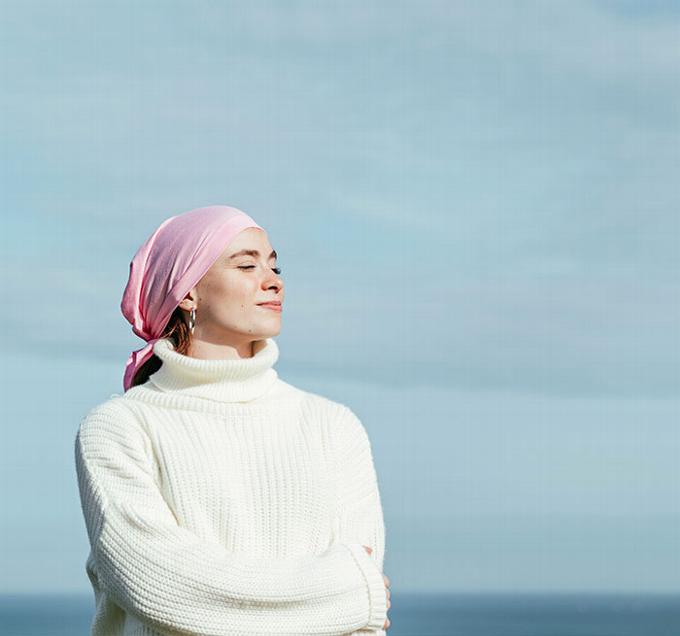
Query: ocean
<point x="421" y="615"/>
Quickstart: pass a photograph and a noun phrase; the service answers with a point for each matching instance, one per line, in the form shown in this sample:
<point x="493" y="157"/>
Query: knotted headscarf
<point x="168" y="265"/>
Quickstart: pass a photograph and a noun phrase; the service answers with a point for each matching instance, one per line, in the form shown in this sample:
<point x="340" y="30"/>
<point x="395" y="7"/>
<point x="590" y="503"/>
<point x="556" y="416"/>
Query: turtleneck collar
<point x="223" y="380"/>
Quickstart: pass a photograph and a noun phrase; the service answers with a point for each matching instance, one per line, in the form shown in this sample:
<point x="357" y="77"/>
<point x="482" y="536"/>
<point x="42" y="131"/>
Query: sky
<point x="475" y="207"/>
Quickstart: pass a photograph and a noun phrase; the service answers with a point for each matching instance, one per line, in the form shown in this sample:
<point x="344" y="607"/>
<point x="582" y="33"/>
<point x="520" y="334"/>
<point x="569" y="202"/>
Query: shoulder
<point x="308" y="400"/>
<point x="116" y="407"/>
<point x="342" y="419"/>
<point x="321" y="403"/>
<point x="113" y="421"/>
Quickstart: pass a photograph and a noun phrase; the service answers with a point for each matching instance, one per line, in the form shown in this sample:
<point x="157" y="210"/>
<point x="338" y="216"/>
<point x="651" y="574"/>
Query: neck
<point x="222" y="380"/>
<point x="207" y="350"/>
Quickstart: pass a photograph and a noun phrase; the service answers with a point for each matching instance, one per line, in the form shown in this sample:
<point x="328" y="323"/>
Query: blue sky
<point x="475" y="207"/>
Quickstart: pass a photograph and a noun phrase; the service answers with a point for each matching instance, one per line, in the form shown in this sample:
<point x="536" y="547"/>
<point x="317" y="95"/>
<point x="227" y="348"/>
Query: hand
<point x="387" y="589"/>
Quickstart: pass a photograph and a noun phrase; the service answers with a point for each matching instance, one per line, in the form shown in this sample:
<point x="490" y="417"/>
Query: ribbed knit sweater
<point x="220" y="500"/>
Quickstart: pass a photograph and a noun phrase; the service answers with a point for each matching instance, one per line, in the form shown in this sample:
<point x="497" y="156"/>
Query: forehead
<point x="251" y="238"/>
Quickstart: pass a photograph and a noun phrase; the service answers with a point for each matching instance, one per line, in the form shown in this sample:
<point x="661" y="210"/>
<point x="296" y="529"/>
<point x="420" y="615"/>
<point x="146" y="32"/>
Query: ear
<point x="189" y="301"/>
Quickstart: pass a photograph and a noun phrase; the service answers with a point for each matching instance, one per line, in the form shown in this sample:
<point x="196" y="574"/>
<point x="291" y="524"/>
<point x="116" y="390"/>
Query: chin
<point x="268" y="331"/>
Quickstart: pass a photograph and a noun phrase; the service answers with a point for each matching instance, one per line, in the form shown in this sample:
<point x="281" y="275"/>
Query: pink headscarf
<point x="171" y="261"/>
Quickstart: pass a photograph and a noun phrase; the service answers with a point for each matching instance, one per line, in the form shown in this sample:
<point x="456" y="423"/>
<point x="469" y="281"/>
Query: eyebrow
<point x="252" y="253"/>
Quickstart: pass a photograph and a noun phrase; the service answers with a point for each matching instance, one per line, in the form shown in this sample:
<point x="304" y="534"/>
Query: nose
<point x="272" y="281"/>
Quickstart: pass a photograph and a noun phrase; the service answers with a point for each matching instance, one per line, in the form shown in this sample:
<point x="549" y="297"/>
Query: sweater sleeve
<point x="181" y="584"/>
<point x="361" y="513"/>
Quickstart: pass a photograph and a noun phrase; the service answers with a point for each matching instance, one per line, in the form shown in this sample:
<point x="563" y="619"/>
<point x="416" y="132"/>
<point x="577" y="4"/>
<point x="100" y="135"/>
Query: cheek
<point x="230" y="293"/>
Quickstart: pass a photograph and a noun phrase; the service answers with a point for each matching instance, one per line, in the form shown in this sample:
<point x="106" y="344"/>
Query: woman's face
<point x="228" y="298"/>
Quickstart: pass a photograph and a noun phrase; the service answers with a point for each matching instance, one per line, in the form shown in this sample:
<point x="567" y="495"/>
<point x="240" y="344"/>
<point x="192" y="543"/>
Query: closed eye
<point x="276" y="270"/>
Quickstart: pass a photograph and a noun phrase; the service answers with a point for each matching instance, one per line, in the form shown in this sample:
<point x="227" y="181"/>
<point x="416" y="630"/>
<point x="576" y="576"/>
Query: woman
<point x="219" y="499"/>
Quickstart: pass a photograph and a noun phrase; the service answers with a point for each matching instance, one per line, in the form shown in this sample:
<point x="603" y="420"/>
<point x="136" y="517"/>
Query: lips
<point x="272" y="305"/>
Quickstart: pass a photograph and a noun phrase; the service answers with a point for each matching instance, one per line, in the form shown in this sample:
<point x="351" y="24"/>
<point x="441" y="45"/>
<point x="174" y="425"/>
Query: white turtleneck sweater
<point x="220" y="500"/>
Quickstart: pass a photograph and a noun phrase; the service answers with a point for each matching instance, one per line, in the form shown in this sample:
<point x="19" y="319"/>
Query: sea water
<point x="421" y="615"/>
